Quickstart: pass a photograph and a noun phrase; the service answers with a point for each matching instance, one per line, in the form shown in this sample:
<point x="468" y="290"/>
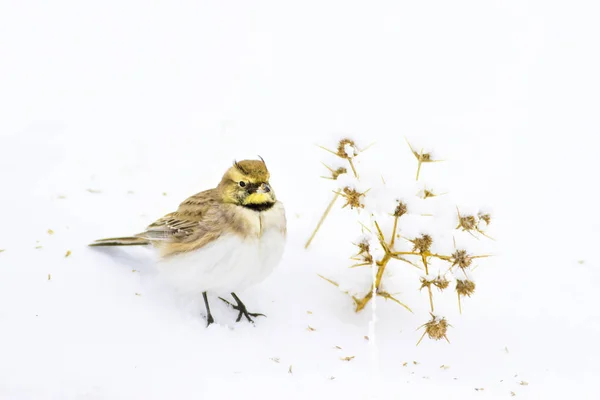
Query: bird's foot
<point x="209" y="320"/>
<point x="242" y="309"/>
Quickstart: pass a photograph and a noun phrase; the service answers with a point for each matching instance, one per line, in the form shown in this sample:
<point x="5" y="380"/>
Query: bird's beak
<point x="264" y="188"/>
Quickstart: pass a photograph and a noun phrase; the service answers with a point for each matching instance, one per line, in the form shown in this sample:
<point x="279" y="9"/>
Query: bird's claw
<point x="242" y="310"/>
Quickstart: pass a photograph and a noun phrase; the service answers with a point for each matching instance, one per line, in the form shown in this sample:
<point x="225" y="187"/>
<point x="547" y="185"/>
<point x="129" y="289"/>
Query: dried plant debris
<point x="379" y="247"/>
<point x="349" y="358"/>
<point x="523" y="383"/>
<point x="274" y="359"/>
<point x="290" y="370"/>
<point x="49" y="276"/>
<point x="444" y="367"/>
<point x="94" y="191"/>
<point x="310" y="329"/>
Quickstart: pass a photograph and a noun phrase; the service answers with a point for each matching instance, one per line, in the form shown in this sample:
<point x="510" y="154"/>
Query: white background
<point x="160" y="97"/>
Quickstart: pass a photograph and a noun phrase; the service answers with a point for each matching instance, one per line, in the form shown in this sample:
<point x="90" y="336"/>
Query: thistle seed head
<point x="461" y="258"/>
<point x="400" y="209"/>
<point x="441" y="282"/>
<point x="436" y="328"/>
<point x="353" y="198"/>
<point x="465" y="287"/>
<point x="422" y="244"/>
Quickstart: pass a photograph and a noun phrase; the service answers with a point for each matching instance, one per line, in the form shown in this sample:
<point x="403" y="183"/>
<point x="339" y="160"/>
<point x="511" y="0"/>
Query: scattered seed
<point x="164" y="193"/>
<point x="404" y="364"/>
<point x="415" y="362"/>
<point x="581" y="261"/>
<point x="68" y="253"/>
<point x="274" y="359"/>
<point x="309" y="312"/>
<point x="331" y="378"/>
<point x="138" y="294"/>
<point x="523" y="383"/>
<point x="479" y="389"/>
<point x="445" y="367"/>
<point x="349" y="358"/>
<point x="49" y="276"/>
<point x="337" y="347"/>
<point x="50" y="232"/>
<point x="38" y="247"/>
<point x="62" y="197"/>
<point x="134" y="270"/>
<point x="95" y="191"/>
<point x="513" y="394"/>
<point x="366" y="338"/>
<point x="290" y="370"/>
<point x="2" y="250"/>
<point x="310" y="329"/>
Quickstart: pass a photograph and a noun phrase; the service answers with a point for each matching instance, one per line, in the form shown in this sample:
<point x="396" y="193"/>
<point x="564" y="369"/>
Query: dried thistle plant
<point x="419" y="254"/>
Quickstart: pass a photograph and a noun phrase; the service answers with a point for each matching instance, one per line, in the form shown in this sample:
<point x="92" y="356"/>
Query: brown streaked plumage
<point x="241" y="215"/>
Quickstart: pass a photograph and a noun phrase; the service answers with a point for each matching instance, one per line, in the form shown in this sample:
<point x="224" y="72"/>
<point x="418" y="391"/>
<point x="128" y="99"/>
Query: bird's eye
<point x="242" y="184"/>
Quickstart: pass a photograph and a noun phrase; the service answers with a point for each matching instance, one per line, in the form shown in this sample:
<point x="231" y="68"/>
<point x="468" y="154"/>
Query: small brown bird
<point x="222" y="240"/>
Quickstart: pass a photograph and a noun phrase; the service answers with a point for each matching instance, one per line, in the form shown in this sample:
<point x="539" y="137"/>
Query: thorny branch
<point x="460" y="259"/>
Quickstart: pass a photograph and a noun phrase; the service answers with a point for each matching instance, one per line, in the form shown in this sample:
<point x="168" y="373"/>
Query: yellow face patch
<point x="258" y="198"/>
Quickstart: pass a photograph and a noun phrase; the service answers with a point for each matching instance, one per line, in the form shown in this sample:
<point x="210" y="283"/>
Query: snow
<point x="112" y="113"/>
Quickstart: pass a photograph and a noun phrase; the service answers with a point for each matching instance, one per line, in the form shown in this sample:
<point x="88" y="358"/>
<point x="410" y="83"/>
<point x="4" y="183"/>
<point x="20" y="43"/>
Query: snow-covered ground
<point x="113" y="112"/>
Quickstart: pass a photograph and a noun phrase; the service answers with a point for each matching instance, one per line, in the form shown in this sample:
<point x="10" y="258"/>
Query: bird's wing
<point x="197" y="221"/>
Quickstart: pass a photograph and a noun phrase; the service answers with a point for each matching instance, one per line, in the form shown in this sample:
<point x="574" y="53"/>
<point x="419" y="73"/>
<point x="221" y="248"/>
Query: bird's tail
<point x="121" y="241"/>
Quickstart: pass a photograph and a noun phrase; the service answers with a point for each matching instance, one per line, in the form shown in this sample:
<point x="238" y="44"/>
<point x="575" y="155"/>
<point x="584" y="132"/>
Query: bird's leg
<point x="209" y="317"/>
<point x="242" y="309"/>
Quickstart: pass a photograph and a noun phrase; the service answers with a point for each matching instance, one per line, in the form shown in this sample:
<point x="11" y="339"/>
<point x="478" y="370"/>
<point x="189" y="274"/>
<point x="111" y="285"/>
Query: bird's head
<point x="246" y="184"/>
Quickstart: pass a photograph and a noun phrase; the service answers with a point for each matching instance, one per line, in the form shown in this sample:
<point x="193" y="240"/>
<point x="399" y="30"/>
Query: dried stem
<point x="393" y="239"/>
<point x="352" y="166"/>
<point x="327" y="210"/>
<point x="428" y="286"/>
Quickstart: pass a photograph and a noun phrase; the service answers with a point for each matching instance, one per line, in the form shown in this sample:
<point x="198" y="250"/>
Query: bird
<point x="221" y="240"/>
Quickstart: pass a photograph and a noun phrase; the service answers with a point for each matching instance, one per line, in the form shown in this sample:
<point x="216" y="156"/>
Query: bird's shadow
<point x="141" y="260"/>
